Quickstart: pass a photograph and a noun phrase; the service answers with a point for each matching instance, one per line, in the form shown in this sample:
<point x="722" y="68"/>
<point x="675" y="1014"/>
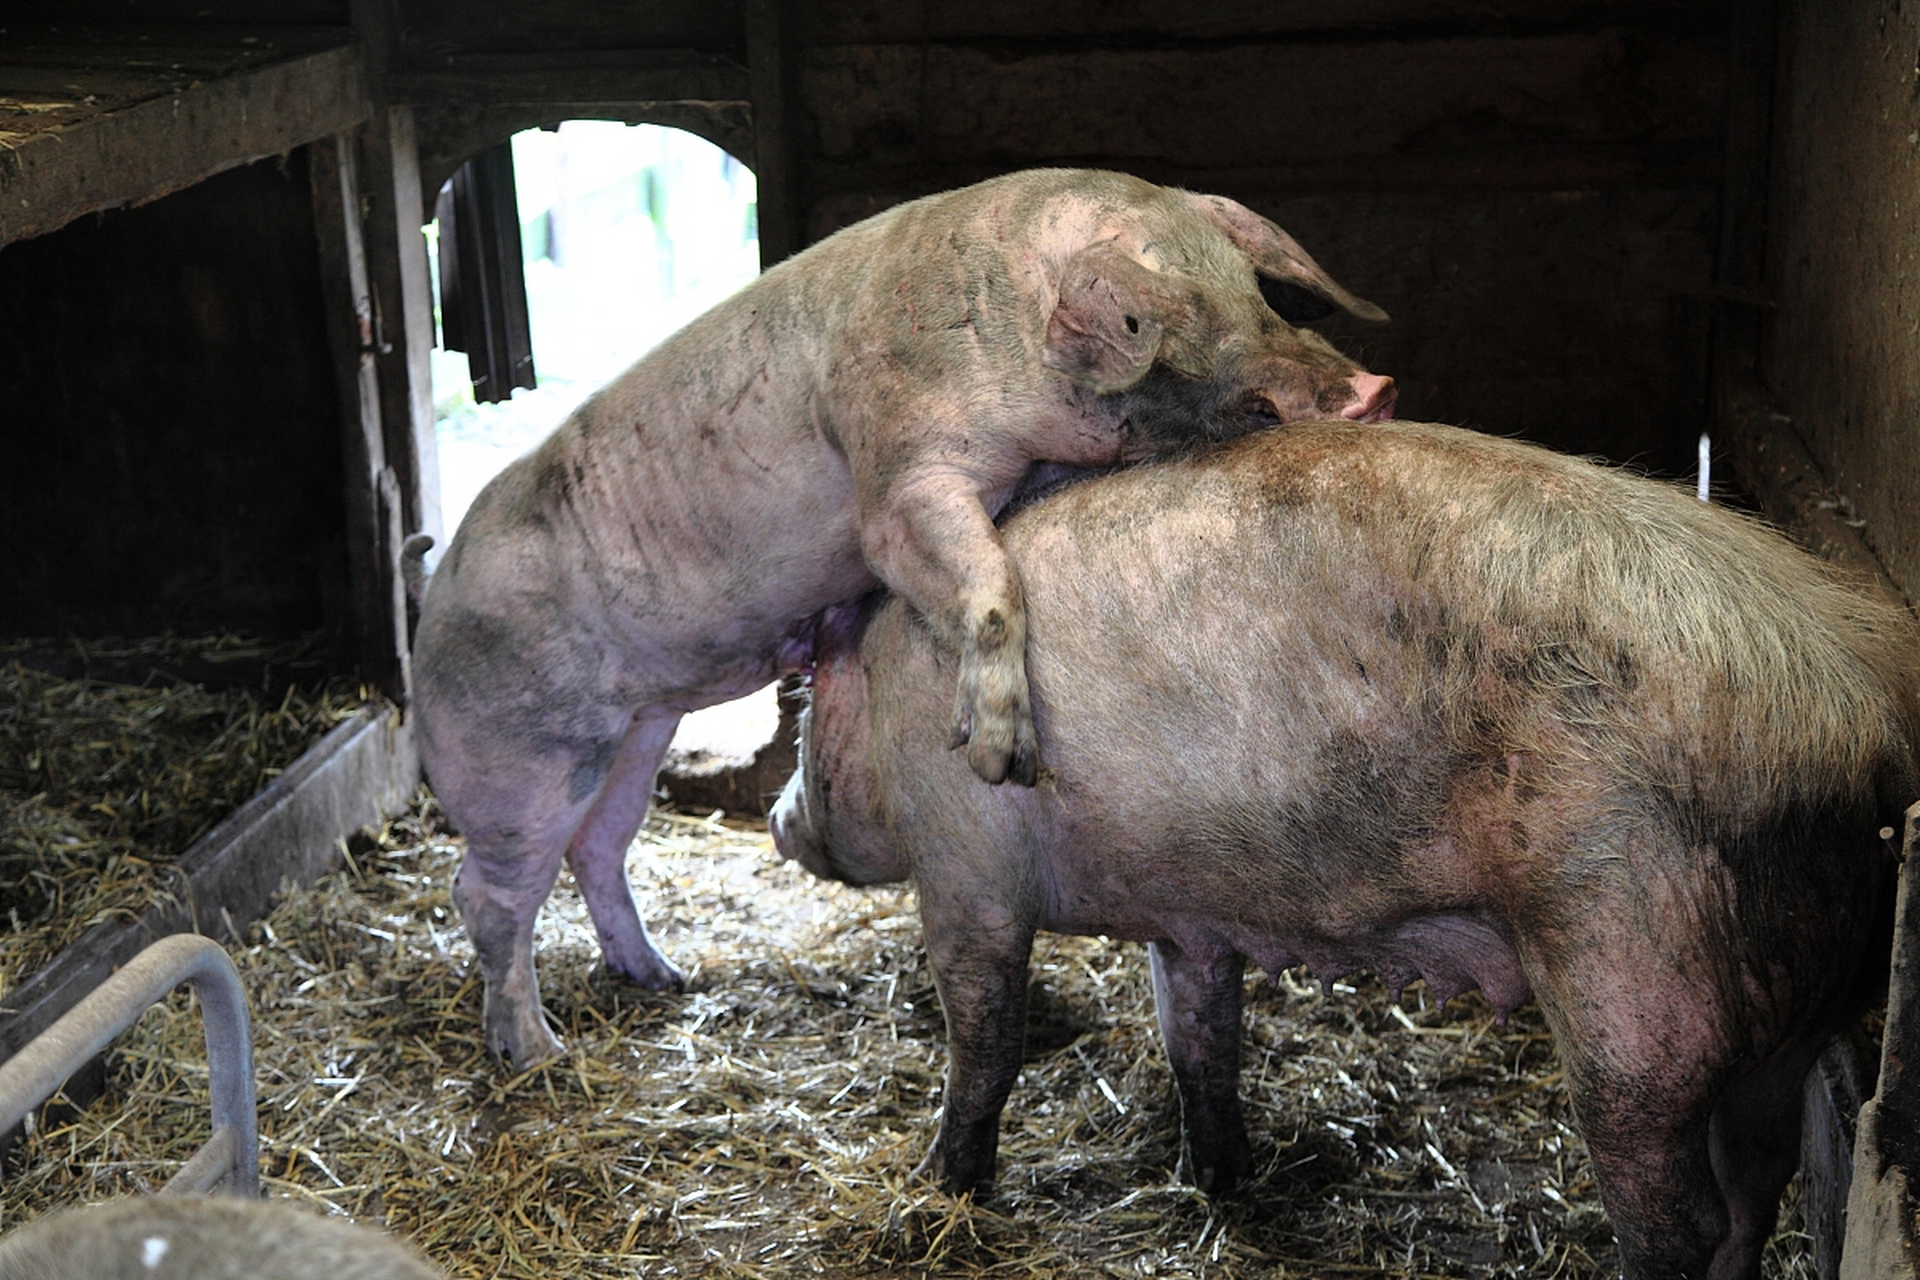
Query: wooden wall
<point x="1530" y="189"/>
<point x="169" y="424"/>
<point x="1841" y="349"/>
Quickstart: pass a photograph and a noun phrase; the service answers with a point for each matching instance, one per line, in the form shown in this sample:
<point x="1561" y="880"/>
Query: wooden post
<point x="769" y="67"/>
<point x="402" y="293"/>
<point x="374" y="515"/>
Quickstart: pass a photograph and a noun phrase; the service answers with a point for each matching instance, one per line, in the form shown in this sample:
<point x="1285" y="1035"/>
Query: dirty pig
<point x="1439" y="705"/>
<point x="858" y="414"/>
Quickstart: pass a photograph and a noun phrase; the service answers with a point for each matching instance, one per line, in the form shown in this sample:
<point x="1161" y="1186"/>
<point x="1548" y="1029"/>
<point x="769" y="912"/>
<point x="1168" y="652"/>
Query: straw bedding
<point x="767" y="1123"/>
<point x="117" y="754"/>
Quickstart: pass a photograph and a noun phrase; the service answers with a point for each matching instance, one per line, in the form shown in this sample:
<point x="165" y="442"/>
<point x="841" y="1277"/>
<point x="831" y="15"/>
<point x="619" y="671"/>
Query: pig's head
<point x="823" y="819"/>
<point x="1189" y="312"/>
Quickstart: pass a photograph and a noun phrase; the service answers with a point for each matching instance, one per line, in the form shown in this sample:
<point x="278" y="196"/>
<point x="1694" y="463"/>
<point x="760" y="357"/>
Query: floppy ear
<point x="1115" y="317"/>
<point x="1279" y="258"/>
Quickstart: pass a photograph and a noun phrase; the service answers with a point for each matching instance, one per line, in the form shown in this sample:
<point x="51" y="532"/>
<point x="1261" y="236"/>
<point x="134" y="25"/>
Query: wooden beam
<point x="651" y="75"/>
<point x="401" y="289"/>
<point x="149" y="148"/>
<point x="770" y="64"/>
<point x="376" y="594"/>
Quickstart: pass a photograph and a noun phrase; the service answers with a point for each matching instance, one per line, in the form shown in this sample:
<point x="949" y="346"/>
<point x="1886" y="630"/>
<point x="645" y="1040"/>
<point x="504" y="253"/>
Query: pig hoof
<point x="1216" y="1173"/>
<point x="656" y="976"/>
<point x="951" y="1179"/>
<point x="520" y="1037"/>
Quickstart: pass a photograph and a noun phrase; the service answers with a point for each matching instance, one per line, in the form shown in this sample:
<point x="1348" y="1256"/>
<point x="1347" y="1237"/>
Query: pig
<point x="856" y="415"/>
<point x="1422" y="701"/>
<point x="191" y="1238"/>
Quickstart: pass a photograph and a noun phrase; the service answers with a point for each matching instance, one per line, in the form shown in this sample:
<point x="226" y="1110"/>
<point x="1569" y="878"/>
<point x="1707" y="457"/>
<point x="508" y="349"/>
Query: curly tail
<point x="413" y="566"/>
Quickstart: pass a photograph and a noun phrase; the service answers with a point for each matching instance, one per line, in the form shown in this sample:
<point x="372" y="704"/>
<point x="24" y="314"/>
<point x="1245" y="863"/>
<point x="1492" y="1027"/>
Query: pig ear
<point x="1115" y="317"/>
<point x="1292" y="281"/>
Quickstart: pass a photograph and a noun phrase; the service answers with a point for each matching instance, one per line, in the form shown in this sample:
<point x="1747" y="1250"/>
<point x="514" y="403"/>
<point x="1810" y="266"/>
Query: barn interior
<point x="1648" y="232"/>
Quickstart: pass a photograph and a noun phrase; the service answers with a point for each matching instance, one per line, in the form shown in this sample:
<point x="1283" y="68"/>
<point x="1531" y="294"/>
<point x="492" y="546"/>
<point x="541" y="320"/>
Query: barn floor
<point x="766" y="1123"/>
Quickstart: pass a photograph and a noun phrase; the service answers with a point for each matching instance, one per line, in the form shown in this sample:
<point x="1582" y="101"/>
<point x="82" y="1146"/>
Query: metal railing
<point x="36" y="1073"/>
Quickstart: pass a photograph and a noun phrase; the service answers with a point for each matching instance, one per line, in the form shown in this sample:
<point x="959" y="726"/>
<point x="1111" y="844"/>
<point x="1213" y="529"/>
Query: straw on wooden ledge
<point x="104" y="782"/>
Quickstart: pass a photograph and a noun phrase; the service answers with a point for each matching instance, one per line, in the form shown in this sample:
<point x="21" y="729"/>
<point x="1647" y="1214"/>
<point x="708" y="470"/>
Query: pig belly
<point x="1453" y="951"/>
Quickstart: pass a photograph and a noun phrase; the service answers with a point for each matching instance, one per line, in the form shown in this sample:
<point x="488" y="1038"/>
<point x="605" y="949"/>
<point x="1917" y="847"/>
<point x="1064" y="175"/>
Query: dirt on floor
<point x="768" y="1121"/>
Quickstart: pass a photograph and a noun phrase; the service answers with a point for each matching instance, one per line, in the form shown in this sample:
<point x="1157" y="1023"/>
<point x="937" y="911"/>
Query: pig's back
<point x="1283" y="661"/>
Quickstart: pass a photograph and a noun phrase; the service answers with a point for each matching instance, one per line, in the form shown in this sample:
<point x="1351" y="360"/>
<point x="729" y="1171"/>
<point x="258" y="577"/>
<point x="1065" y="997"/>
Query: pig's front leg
<point x="1199" y="1005"/>
<point x="929" y="539"/>
<point x="980" y="968"/>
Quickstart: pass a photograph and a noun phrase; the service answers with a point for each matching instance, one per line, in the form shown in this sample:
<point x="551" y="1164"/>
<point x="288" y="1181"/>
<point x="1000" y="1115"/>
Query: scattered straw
<point x="113" y="760"/>
<point x="766" y="1123"/>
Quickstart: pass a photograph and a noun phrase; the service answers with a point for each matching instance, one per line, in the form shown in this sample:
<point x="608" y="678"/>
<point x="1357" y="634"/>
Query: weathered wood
<point x="170" y="437"/>
<point x="653" y="75"/>
<point x="1880" y="1240"/>
<point x="375" y="593"/>
<point x="1834" y="1091"/>
<point x="435" y="29"/>
<point x="402" y="291"/>
<point x="1842" y="351"/>
<point x="770" y="61"/>
<point x="483" y="286"/>
<point x="1303" y="105"/>
<point x="362" y="772"/>
<point x="1775" y="466"/>
<point x="144" y="149"/>
<point x="1000" y="21"/>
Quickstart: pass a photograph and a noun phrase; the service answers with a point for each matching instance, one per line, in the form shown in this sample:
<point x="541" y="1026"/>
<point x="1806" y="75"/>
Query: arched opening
<point x="626" y="232"/>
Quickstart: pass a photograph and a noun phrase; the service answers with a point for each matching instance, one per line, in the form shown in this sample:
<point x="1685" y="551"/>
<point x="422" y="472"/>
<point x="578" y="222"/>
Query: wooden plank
<point x="1775" y="467"/>
<point x="1411" y="109"/>
<point x="649" y="75"/>
<point x="1842" y="350"/>
<point x="843" y="192"/>
<point x="375" y="593"/>
<point x="362" y="772"/>
<point x="770" y="62"/>
<point x="402" y="293"/>
<point x="1833" y="1094"/>
<point x="1880" y="1243"/>
<point x="848" y="22"/>
<point x="435" y="29"/>
<point x="149" y="148"/>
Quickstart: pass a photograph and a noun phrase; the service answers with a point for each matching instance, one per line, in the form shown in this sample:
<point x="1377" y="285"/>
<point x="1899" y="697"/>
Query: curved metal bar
<point x="37" y="1072"/>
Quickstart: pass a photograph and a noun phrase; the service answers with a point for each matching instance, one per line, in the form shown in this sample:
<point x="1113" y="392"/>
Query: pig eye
<point x="1133" y="325"/>
<point x="1260" y="411"/>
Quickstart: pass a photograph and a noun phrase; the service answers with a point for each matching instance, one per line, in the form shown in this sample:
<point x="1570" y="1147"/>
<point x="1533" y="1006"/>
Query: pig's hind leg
<point x="522" y="816"/>
<point x="597" y="853"/>
<point x="1198" y="1000"/>
<point x="1689" y="1159"/>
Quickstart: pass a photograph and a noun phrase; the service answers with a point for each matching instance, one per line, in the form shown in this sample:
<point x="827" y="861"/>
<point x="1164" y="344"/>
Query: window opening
<point x="624" y="234"/>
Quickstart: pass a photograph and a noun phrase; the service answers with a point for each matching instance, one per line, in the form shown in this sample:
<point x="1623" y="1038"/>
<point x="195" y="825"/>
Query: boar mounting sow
<point x="860" y="412"/>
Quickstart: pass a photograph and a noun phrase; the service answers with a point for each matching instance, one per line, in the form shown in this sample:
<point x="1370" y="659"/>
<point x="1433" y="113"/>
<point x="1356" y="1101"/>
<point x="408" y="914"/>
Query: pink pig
<point x="1435" y="704"/>
<point x="858" y="414"/>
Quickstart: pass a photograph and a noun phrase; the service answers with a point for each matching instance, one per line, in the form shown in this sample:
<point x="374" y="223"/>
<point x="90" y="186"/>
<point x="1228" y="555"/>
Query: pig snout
<point x="1373" y="400"/>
